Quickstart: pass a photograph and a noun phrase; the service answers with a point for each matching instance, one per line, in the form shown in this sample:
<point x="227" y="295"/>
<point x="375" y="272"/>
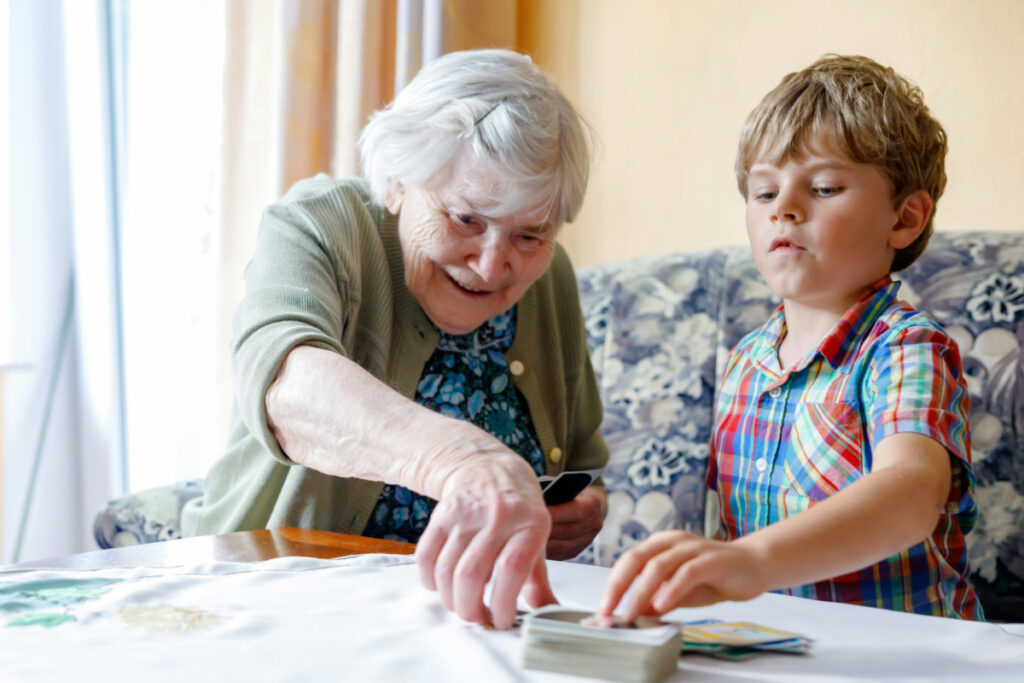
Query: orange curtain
<point x="309" y="31"/>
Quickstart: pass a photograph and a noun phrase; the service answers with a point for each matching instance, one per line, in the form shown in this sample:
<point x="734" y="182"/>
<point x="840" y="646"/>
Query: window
<point x="5" y="219"/>
<point x="173" y="89"/>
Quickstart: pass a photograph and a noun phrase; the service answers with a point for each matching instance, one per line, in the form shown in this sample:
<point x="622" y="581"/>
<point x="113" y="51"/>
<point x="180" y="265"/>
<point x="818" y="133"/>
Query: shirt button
<point x="516" y="367"/>
<point x="761" y="464"/>
<point x="555" y="454"/>
<point x="775" y="392"/>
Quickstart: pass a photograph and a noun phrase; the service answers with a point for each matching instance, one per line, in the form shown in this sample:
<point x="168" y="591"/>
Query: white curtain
<point x="64" y="311"/>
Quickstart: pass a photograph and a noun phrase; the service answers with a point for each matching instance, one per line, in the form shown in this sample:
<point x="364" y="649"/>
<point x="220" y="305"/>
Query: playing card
<point x="581" y="643"/>
<point x="736" y="633"/>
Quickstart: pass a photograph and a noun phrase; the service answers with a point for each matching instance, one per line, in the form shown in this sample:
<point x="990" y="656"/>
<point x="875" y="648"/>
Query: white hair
<point x="495" y="110"/>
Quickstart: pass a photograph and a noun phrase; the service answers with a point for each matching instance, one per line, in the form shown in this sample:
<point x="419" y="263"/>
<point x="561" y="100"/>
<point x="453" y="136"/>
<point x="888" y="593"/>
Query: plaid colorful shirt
<point x="786" y="439"/>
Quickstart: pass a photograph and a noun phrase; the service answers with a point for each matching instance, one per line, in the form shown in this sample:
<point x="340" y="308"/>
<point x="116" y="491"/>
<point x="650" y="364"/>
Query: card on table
<point x="739" y="639"/>
<point x="735" y="633"/>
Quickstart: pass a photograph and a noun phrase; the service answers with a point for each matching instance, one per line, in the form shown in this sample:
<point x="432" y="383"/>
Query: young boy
<point x="841" y="453"/>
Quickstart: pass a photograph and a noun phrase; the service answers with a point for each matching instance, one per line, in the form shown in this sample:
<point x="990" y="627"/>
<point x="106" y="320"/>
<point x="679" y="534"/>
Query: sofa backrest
<point x="660" y="329"/>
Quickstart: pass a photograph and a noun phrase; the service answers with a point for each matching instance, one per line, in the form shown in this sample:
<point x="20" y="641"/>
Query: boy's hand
<point x="678" y="569"/>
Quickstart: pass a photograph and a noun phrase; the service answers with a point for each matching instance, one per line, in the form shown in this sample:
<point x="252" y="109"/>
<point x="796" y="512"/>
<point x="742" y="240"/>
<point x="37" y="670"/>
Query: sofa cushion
<point x="145" y="516"/>
<point x="973" y="285"/>
<point x="652" y="326"/>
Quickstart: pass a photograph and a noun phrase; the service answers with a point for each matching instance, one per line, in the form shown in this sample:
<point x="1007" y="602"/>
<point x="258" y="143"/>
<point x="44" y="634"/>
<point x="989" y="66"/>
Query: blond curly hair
<point x="863" y="110"/>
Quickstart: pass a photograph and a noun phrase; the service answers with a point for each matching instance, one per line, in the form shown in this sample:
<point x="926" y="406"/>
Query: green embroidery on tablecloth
<point x="47" y="619"/>
<point x="34" y="597"/>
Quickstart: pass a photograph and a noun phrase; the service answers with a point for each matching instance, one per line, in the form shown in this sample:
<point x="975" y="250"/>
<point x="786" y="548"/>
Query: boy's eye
<point x="827" y="191"/>
<point x="765" y="196"/>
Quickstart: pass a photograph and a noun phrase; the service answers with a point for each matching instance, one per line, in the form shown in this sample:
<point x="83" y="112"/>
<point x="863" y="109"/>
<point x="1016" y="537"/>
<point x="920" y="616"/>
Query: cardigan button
<point x="516" y="367"/>
<point x="555" y="454"/>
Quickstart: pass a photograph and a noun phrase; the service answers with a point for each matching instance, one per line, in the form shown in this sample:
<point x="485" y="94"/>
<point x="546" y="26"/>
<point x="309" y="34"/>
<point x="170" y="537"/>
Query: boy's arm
<point x="892" y="508"/>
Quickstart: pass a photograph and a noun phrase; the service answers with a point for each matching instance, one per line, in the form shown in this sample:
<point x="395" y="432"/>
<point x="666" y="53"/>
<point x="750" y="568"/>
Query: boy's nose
<point x="786" y="209"/>
<point x="791" y="215"/>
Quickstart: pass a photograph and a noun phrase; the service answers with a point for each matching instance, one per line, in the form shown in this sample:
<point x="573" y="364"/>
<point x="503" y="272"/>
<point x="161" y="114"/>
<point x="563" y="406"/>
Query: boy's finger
<point x="626" y="569"/>
<point x="692" y="585"/>
<point x="699" y="596"/>
<point x="677" y="587"/>
<point x="654" y="575"/>
<point x="622" y="574"/>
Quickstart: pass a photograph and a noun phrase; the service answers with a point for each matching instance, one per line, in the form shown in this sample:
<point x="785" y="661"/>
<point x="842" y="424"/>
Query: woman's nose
<point x="493" y="260"/>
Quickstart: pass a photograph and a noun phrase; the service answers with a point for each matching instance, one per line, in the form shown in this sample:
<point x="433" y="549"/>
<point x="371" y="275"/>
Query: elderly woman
<point x="410" y="353"/>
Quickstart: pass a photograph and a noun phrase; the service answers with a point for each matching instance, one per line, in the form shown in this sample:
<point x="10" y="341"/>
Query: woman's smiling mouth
<point x="467" y="290"/>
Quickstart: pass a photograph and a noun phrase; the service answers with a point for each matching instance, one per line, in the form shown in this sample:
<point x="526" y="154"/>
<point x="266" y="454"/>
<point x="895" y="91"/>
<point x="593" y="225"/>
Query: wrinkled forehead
<point x="483" y="189"/>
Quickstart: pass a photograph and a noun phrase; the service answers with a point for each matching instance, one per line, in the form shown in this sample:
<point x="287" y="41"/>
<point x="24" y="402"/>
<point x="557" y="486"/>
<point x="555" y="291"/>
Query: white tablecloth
<point x="368" y="618"/>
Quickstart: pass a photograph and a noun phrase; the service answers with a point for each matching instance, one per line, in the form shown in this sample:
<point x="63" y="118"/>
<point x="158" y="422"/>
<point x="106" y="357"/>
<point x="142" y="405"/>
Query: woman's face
<point x="463" y="265"/>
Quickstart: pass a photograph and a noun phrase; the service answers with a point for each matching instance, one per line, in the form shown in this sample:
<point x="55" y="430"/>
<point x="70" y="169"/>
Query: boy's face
<point x="820" y="226"/>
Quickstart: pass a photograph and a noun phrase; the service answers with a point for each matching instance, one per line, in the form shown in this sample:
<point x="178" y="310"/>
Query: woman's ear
<point x="911" y="218"/>
<point x="394" y="193"/>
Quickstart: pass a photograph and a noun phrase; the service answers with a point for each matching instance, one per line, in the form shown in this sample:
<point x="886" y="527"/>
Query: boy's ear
<point x="911" y="218"/>
<point x="394" y="193"/>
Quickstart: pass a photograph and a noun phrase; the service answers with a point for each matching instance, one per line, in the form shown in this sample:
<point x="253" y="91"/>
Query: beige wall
<point x="667" y="84"/>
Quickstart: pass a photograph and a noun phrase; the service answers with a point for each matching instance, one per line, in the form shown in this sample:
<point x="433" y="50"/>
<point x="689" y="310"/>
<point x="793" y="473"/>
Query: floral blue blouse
<point x="466" y="378"/>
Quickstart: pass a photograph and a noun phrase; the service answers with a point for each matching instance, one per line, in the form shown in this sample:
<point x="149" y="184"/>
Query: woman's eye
<point x="528" y="240"/>
<point x="465" y="222"/>
<point x="828" y="191"/>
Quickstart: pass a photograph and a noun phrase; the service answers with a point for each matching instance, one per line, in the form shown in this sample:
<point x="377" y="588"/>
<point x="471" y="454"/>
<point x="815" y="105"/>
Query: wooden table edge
<point x="238" y="546"/>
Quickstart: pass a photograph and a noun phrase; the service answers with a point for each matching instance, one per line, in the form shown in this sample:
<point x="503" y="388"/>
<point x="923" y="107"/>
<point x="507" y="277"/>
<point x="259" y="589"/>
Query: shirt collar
<point x="840" y="345"/>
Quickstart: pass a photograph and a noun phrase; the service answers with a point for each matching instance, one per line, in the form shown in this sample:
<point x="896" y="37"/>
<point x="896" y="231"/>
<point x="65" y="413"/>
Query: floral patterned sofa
<point x="659" y="330"/>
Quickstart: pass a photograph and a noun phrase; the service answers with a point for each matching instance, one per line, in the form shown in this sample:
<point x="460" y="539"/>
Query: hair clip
<point x="496" y="105"/>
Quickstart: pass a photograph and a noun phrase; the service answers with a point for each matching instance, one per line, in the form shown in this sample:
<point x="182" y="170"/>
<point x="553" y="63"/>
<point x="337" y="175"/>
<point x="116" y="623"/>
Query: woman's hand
<point x="574" y="524"/>
<point x="329" y="414"/>
<point x="490" y="521"/>
<point x="677" y="569"/>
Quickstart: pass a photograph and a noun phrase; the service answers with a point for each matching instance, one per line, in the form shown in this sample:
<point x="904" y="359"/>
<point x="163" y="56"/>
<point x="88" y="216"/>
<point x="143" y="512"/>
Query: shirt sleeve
<point x="295" y="295"/>
<point x="916" y="385"/>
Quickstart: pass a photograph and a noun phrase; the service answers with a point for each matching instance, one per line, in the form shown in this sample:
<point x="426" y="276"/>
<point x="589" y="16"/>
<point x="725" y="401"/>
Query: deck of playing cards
<point x="739" y="639"/>
<point x="575" y="642"/>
